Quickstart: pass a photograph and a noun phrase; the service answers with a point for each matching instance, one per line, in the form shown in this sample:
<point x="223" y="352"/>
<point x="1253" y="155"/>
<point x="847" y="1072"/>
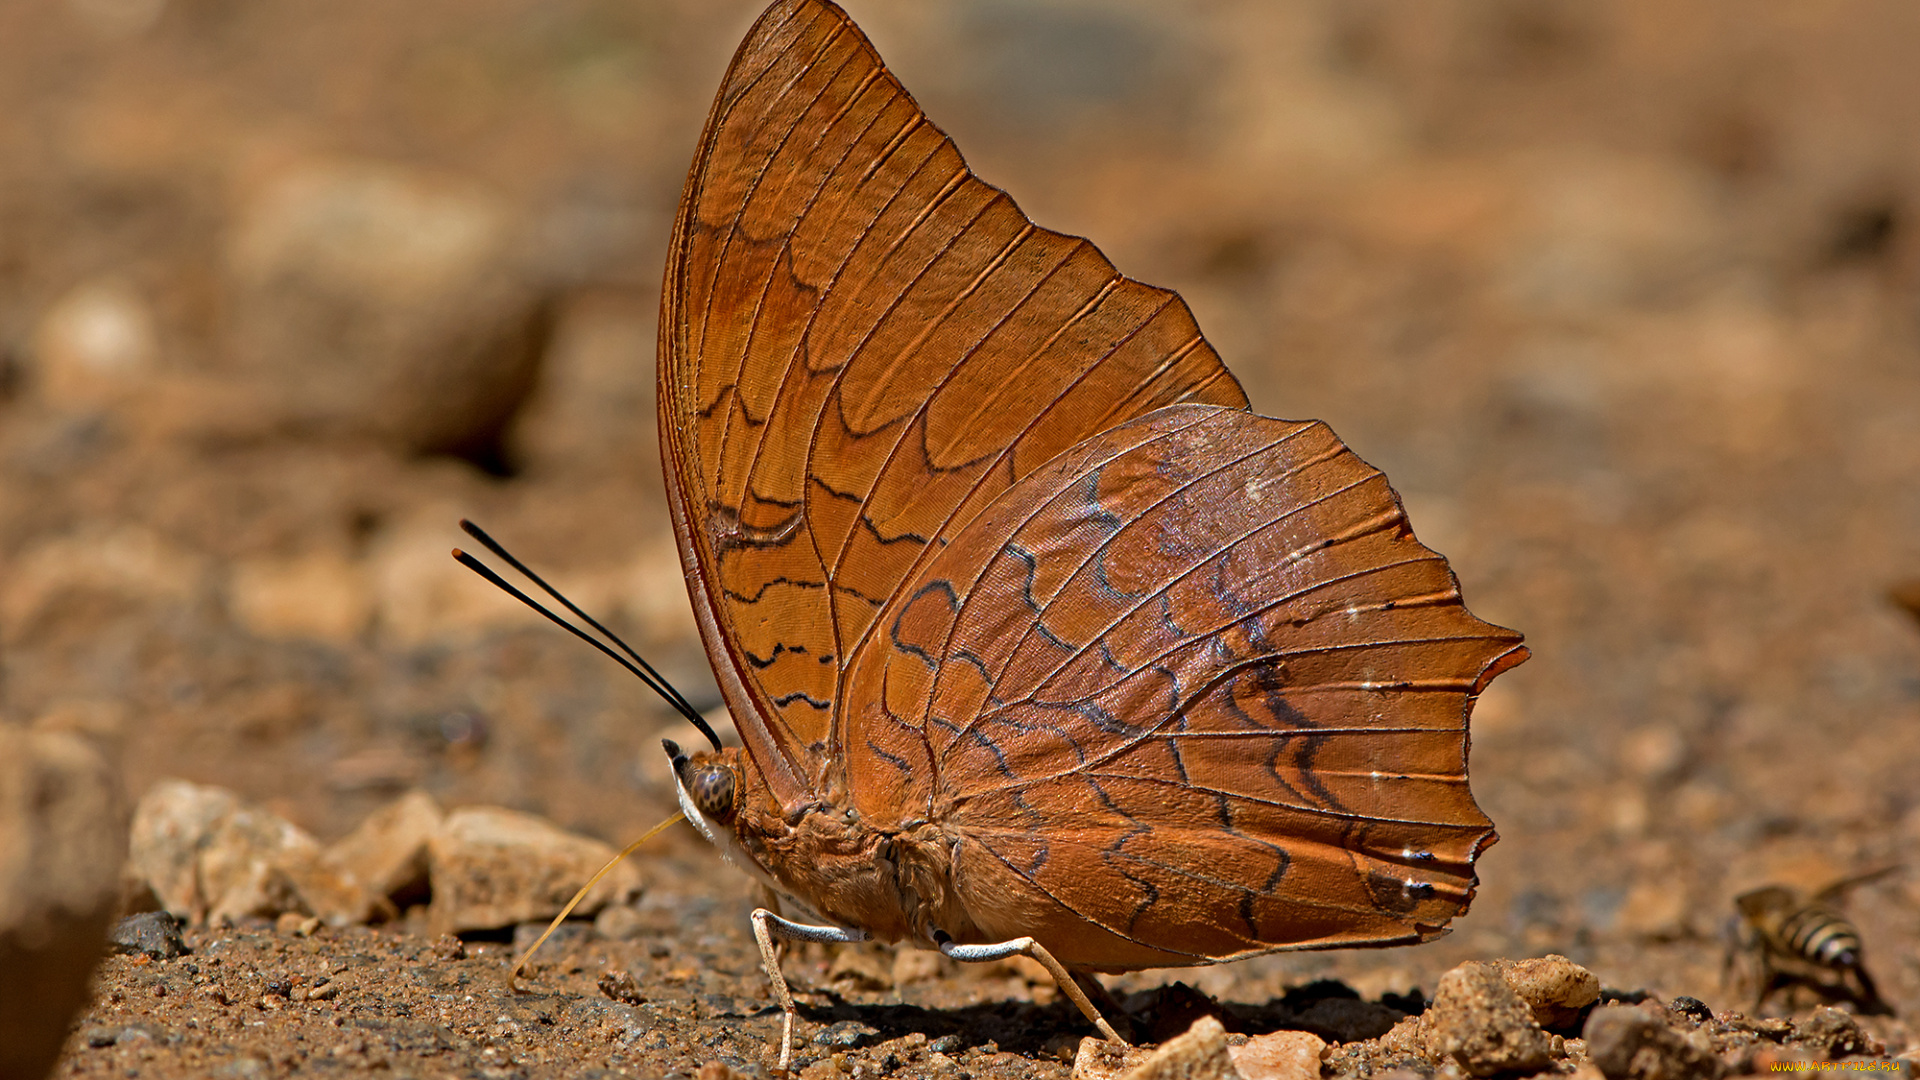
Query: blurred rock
<point x="424" y="597"/>
<point x="848" y="1034"/>
<point x="860" y="966"/>
<point x="1200" y="1054"/>
<point x="1602" y="230"/>
<point x="1656" y="909"/>
<point x="1481" y="1024"/>
<point x="100" y="722"/>
<point x="128" y="564"/>
<point x="114" y="19"/>
<point x="1347" y="1019"/>
<point x="1631" y="1043"/>
<point x="62" y="837"/>
<point x="1906" y="596"/>
<point x="1837" y="1034"/>
<point x="1692" y="1009"/>
<point x="593" y="405"/>
<point x="1169" y="1010"/>
<point x="387" y="852"/>
<point x="651" y="591"/>
<point x="1406" y="1037"/>
<point x="493" y="868"/>
<point x="1293" y="119"/>
<point x="1555" y="988"/>
<point x="916" y="965"/>
<point x="207" y="856"/>
<point x="95" y="346"/>
<point x="151" y="933"/>
<point x="1653" y="752"/>
<point x="170" y="825"/>
<point x="1098" y="1059"/>
<point x="1280" y="1055"/>
<point x="619" y="984"/>
<point x="619" y="922"/>
<point x="320" y="596"/>
<point x="380" y="300"/>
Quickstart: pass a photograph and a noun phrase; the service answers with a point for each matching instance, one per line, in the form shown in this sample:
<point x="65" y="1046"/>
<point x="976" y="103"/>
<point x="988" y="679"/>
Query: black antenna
<point x="493" y="545"/>
<point x="644" y="672"/>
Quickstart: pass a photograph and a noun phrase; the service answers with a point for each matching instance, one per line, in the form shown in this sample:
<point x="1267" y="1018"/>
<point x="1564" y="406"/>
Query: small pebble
<point x="1557" y="990"/>
<point x="1280" y="1055"/>
<point x="1482" y="1025"/>
<point x="1063" y="1046"/>
<point x="1692" y="1008"/>
<point x="154" y="934"/>
<point x="945" y="1044"/>
<point x="619" y="984"/>
<point x="1837" y="1034"/>
<point x="491" y="868"/>
<point x="296" y="924"/>
<point x="849" y="1033"/>
<point x="1199" y="1054"/>
<point x="1632" y="1043"/>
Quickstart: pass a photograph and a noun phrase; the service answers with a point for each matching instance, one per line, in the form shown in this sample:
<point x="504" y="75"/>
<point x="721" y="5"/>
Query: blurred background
<point x="1624" y="298"/>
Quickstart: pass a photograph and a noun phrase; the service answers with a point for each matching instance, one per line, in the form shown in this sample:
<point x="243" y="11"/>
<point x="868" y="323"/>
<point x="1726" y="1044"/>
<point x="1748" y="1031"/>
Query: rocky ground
<point x="1623" y="298"/>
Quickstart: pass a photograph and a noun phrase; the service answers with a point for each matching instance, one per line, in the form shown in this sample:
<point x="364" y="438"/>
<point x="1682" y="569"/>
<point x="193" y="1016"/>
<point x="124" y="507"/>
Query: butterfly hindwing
<point x="1195" y="684"/>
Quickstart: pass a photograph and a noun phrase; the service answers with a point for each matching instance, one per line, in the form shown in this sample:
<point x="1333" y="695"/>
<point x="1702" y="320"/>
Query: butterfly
<point x="1038" y="641"/>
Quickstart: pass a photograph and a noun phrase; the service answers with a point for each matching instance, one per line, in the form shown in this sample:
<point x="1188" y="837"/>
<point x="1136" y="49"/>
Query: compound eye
<point x="712" y="789"/>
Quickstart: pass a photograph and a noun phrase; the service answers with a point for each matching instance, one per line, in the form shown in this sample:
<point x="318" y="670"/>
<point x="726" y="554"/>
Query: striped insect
<point x="1789" y="940"/>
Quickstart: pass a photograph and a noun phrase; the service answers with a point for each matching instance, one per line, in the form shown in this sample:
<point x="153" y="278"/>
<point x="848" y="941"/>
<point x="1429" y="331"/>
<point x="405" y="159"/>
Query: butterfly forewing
<point x="1191" y="690"/>
<point x="862" y="345"/>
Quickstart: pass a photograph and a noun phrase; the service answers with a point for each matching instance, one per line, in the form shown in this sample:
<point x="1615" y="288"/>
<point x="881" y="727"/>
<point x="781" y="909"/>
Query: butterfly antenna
<point x="493" y="545"/>
<point x="643" y="671"/>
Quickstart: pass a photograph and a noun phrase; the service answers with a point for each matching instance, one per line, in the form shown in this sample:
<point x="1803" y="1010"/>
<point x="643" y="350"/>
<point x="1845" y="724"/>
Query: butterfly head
<point x="709" y="787"/>
<point x="724" y="797"/>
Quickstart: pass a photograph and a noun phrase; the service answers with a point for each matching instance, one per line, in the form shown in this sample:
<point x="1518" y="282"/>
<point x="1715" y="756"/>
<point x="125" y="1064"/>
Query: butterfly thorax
<point x="893" y="883"/>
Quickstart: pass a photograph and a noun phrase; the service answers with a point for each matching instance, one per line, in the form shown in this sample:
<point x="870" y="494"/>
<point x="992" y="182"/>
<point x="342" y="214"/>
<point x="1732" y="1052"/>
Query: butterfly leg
<point x="765" y="925"/>
<point x="1026" y="946"/>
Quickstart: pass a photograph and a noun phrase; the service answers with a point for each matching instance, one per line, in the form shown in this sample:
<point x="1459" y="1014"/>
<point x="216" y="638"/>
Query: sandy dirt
<point x="1623" y="299"/>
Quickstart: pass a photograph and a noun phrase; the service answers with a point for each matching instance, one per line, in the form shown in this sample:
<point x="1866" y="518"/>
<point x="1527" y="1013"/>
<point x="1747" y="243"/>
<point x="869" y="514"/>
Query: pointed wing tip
<point x="1501" y="664"/>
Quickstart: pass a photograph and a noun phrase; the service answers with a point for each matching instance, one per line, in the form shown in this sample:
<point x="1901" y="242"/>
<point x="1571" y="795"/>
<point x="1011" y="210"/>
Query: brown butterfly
<point x="1037" y="639"/>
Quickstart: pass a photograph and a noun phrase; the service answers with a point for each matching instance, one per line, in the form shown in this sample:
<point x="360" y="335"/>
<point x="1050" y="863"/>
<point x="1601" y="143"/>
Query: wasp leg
<point x="1026" y="946"/>
<point x="765" y="925"/>
<point x="1871" y="1003"/>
